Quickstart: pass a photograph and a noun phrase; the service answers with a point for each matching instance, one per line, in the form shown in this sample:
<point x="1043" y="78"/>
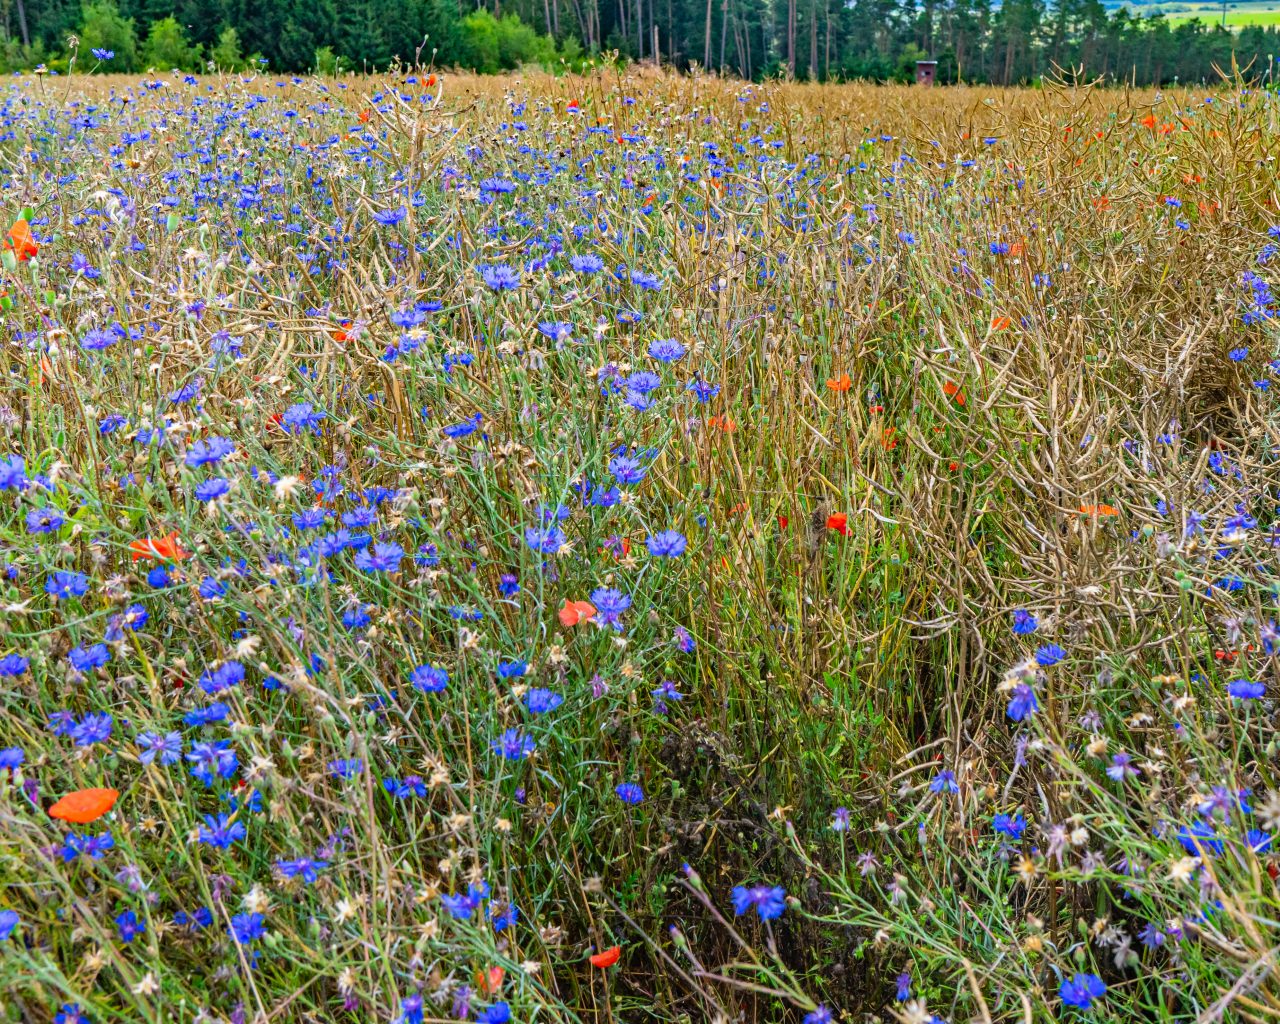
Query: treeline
<point x="972" y="40"/>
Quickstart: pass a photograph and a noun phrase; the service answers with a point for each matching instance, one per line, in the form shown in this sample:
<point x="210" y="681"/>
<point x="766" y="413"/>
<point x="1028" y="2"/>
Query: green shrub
<point x="225" y="54"/>
<point x="105" y="28"/>
<point x="167" y="47"/>
<point x="328" y="63"/>
<point x="488" y="44"/>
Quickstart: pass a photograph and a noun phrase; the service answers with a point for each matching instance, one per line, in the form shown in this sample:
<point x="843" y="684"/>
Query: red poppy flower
<point x="606" y="958"/>
<point x="841" y="383"/>
<point x="165" y="549"/>
<point x="953" y="391"/>
<point x="21" y="241"/>
<point x="838" y="522"/>
<point x="84" y="805"/>
<point x="490" y="982"/>
<point x="575" y="612"/>
<point x="782" y="522"/>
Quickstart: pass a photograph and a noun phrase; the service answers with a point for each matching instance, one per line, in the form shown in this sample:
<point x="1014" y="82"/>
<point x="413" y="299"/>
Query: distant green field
<point x="1238" y="14"/>
<point x="1235" y="18"/>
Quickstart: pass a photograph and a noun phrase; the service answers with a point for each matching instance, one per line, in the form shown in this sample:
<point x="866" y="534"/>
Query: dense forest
<point x="973" y="40"/>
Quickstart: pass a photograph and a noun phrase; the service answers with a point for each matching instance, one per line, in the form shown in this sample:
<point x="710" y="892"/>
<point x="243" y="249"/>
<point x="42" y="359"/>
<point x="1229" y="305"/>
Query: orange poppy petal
<point x="607" y="957"/>
<point x="575" y="612"/>
<point x="84" y="805"/>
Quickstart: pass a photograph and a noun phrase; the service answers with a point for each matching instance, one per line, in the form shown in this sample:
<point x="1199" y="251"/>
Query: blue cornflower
<point x="93" y="847"/>
<point x="357" y="618"/>
<point x="500" y="277"/>
<point x="411" y="785"/>
<point x="666" y="350"/>
<point x="683" y="640"/>
<point x="1010" y="825"/>
<point x="903" y="982"/>
<point x="44" y="520"/>
<point x="1024" y="622"/>
<point x="9" y="920"/>
<point x="464" y="905"/>
<point x="410" y="1010"/>
<point x="224" y="677"/>
<point x="555" y="330"/>
<point x="215" y="712"/>
<point x="610" y="603"/>
<point x="129" y="926"/>
<point x="98" y="339"/>
<point x="666" y="544"/>
<point x="210" y="759"/>
<point x="101" y="54"/>
<point x="345" y="768"/>
<point x="944" y="782"/>
<point x="204" y="453"/>
<point x="539" y="700"/>
<point x="95" y="727"/>
<point x="1022" y="702"/>
<point x="642" y="382"/>
<point x="63" y="585"/>
<point x="384" y="557"/>
<point x="821" y="1015"/>
<point x="629" y="792"/>
<point x="1082" y="990"/>
<point x="588" y="263"/>
<point x="301" y="416"/>
<point x="11" y="758"/>
<point x="769" y="901"/>
<point x="1246" y="689"/>
<point x="211" y="489"/>
<point x="245" y="928"/>
<point x="495" y="1013"/>
<point x="512" y="669"/>
<point x="545" y="540"/>
<point x="389" y="218"/>
<point x="626" y="470"/>
<point x="86" y="660"/>
<point x="1049" y="654"/>
<point x="1238" y="355"/>
<point x="702" y="390"/>
<point x="311" y="519"/>
<point x="429" y="678"/>
<point x="168" y="748"/>
<point x="13" y="473"/>
<point x="1151" y="936"/>
<point x="1200" y="837"/>
<point x="304" y="867"/>
<point x="513" y="745"/>
<point x="219" y="831"/>
<point x="1122" y="767"/>
<point x="503" y="918"/>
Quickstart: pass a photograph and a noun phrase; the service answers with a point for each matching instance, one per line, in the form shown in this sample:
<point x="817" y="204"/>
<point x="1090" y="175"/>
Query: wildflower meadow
<point x="637" y="547"/>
